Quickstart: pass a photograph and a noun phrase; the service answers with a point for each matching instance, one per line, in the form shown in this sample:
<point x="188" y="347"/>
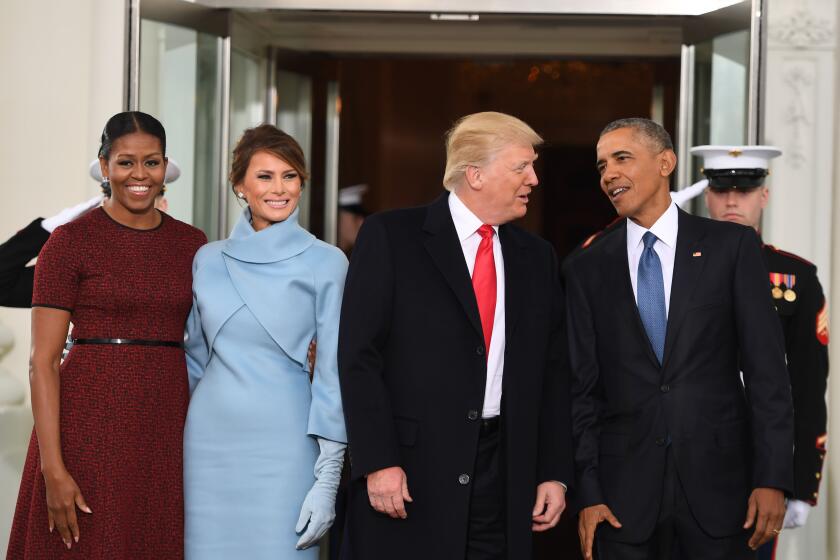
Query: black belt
<point x="489" y="425"/>
<point x="130" y="341"/>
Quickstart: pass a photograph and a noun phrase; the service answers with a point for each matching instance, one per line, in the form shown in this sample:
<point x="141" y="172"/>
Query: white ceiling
<point x="608" y="7"/>
<point x="491" y="35"/>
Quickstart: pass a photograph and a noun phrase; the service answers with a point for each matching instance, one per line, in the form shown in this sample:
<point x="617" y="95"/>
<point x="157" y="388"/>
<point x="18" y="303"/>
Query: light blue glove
<point x="318" y="511"/>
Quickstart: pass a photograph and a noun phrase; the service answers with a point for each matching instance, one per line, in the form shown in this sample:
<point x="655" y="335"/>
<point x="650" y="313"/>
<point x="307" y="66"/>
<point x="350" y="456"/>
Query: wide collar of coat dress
<point x="248" y="256"/>
<point x="277" y="242"/>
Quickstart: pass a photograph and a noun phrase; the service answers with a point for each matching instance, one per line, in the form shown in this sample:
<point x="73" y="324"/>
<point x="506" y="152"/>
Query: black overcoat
<point x="412" y="366"/>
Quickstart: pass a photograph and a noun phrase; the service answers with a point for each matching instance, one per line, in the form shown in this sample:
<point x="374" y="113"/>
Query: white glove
<point x="318" y="511"/>
<point x="796" y="514"/>
<point x="683" y="196"/>
<point x="70" y="214"/>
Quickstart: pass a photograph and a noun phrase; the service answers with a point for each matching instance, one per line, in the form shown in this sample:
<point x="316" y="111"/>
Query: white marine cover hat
<point x="736" y="167"/>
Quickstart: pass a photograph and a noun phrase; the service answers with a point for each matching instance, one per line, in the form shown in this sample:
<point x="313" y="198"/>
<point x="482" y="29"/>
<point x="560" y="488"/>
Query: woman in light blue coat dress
<point x="263" y="445"/>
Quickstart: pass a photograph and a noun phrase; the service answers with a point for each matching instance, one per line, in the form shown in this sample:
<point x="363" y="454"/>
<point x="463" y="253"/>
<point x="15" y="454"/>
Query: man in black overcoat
<point x="453" y="364"/>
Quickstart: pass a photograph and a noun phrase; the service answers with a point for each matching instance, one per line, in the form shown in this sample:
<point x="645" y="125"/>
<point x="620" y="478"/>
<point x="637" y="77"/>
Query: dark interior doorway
<point x="395" y="111"/>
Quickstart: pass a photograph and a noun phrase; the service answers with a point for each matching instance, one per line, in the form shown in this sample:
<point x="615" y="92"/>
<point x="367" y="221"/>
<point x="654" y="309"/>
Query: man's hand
<point x="551" y="501"/>
<point x="588" y="521"/>
<point x="765" y="510"/>
<point x="388" y="491"/>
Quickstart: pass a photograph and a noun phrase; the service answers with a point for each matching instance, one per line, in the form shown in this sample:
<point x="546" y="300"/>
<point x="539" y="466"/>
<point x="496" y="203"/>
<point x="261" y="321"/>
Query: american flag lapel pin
<point x="697" y="254"/>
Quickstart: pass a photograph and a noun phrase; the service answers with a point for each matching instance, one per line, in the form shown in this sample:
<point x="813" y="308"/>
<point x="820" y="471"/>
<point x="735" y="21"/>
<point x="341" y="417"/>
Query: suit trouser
<point x="767" y="551"/>
<point x="486" y="534"/>
<point x="677" y="535"/>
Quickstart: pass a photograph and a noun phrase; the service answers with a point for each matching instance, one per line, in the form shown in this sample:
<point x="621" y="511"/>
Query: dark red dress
<point x="122" y="408"/>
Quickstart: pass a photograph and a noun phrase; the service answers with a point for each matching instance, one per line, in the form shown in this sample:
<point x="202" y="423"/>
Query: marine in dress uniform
<point x="737" y="192"/>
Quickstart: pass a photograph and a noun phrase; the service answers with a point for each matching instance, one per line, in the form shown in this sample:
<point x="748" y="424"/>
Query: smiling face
<point x="271" y="187"/>
<point x="742" y="206"/>
<point x="136" y="169"/>
<point x="497" y="192"/>
<point x="634" y="175"/>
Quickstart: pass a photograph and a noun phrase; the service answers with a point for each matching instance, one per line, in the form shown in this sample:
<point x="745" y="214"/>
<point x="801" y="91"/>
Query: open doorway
<point x="370" y="95"/>
<point x="395" y="111"/>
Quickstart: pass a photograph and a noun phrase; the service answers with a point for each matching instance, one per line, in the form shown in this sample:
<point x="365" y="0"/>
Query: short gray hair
<point x="653" y="132"/>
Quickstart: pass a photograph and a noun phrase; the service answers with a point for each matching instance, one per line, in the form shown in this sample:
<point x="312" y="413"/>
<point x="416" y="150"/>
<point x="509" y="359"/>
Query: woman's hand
<point x="318" y="511"/>
<point x="63" y="497"/>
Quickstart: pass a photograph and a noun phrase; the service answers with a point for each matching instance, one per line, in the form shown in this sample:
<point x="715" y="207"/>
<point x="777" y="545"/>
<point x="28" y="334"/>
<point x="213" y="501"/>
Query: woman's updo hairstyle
<point x="266" y="138"/>
<point x="127" y="123"/>
<point x="124" y="123"/>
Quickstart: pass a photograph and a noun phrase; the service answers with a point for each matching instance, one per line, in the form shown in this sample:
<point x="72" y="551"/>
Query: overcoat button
<point x="464" y="479"/>
<point x="479" y="350"/>
<point x="472" y="415"/>
<point x="660" y="441"/>
<point x="665" y="388"/>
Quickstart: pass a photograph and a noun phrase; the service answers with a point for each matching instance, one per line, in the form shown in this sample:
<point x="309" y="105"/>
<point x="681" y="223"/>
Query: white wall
<point x="802" y="118"/>
<point x="62" y="68"/>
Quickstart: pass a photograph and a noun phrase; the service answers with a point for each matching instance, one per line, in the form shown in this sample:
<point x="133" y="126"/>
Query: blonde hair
<point x="476" y="139"/>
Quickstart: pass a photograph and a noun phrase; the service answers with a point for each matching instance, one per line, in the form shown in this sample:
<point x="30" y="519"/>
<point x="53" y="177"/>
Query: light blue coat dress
<point x="249" y="445"/>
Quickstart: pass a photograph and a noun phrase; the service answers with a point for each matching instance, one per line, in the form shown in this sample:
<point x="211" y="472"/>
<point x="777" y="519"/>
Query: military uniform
<point x="15" y="277"/>
<point x="803" y="312"/>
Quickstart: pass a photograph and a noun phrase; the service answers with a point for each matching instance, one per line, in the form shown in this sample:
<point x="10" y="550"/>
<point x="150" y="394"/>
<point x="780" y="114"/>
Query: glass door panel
<point x="179" y="67"/>
<point x="718" y="67"/>
<point x="294" y="116"/>
<point x="247" y="110"/>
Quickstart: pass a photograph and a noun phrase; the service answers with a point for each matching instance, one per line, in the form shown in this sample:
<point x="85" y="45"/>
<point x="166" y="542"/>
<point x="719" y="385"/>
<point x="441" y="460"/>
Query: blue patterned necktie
<point x="651" y="296"/>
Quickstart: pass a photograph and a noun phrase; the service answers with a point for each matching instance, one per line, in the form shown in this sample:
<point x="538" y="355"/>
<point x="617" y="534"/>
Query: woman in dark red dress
<point x="103" y="477"/>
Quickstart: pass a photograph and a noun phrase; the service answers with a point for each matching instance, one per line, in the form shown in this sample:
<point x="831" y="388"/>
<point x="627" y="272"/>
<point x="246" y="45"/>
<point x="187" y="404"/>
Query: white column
<point x="62" y="68"/>
<point x="801" y="118"/>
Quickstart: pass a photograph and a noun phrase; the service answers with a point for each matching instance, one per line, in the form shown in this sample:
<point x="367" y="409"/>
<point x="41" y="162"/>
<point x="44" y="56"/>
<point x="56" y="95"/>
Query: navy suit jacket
<point x="727" y="437"/>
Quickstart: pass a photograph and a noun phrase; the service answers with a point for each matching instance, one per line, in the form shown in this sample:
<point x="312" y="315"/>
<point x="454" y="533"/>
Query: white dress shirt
<point x="466" y="226"/>
<point x="665" y="229"/>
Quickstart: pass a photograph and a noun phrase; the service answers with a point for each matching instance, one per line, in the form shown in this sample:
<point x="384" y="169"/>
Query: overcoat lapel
<point x="688" y="265"/>
<point x="444" y="247"/>
<point x="619" y="269"/>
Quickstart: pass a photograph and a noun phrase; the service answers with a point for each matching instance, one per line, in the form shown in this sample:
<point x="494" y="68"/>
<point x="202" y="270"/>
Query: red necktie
<point x="484" y="283"/>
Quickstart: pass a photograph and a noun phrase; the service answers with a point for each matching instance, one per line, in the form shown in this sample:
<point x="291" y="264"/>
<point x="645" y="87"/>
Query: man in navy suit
<point x="674" y="455"/>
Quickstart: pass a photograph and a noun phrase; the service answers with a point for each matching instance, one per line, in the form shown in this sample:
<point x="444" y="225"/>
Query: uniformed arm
<point x="195" y="342"/>
<point x="363" y="333"/>
<point x="326" y="417"/>
<point x="766" y="381"/>
<point x="15" y="277"/>
<point x="767" y="387"/>
<point x="806" y="339"/>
